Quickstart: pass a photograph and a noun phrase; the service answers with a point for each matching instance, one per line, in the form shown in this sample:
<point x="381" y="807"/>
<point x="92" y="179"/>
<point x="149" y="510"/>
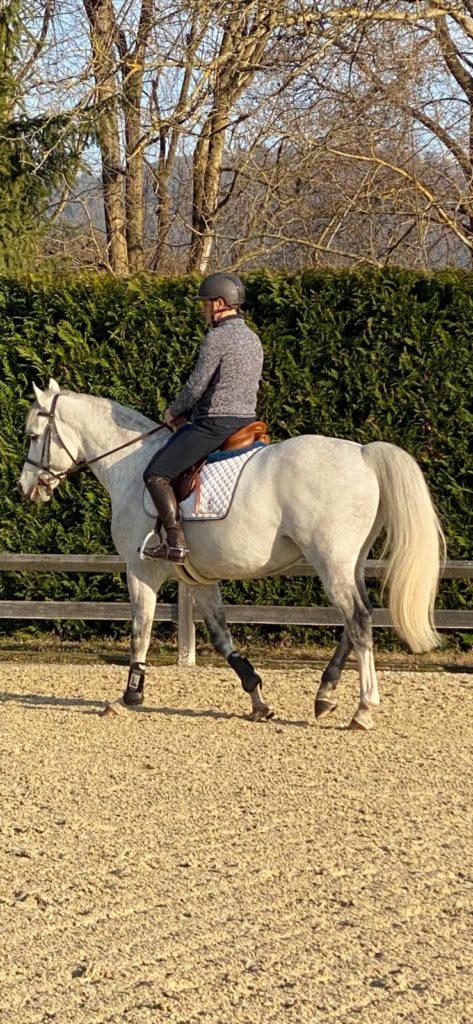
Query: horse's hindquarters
<point x="313" y="496"/>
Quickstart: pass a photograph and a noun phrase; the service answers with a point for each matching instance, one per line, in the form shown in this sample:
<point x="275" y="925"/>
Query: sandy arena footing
<point x="181" y="864"/>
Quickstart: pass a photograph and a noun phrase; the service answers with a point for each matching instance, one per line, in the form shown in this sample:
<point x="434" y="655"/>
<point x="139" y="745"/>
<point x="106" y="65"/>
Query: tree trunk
<point x="241" y="49"/>
<point x="470" y="180"/>
<point x="207" y="168"/>
<point x="132" y="69"/>
<point x="134" y="198"/>
<point x="100" y="14"/>
<point x="168" y="143"/>
<point x="163" y="216"/>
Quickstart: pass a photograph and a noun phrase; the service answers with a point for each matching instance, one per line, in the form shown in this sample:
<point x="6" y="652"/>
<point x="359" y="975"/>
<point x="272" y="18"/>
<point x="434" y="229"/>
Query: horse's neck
<point x="102" y="425"/>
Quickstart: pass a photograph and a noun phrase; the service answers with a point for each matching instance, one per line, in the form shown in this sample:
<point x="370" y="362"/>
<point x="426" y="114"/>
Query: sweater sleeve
<point x="208" y="360"/>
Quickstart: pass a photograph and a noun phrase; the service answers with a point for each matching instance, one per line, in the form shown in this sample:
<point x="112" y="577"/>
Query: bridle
<point x="77" y="464"/>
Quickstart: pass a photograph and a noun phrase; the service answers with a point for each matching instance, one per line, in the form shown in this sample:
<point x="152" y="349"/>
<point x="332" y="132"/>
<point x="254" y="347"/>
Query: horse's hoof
<point x="362" y="721"/>
<point x="108" y="712"/>
<point x="262" y="714"/>
<point x="324" y="707"/>
<point x="113" y="710"/>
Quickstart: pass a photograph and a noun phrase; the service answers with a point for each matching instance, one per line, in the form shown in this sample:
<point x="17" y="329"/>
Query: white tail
<point x="414" y="543"/>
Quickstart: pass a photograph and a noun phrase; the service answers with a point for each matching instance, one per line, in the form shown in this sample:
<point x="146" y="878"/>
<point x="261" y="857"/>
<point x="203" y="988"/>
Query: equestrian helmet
<point x="224" y="286"/>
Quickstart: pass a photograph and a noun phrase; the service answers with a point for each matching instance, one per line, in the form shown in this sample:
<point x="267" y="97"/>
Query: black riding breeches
<point x="192" y="442"/>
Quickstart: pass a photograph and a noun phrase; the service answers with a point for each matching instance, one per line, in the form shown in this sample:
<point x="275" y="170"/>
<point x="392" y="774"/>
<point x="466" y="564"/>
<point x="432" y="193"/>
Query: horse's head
<point x="52" y="451"/>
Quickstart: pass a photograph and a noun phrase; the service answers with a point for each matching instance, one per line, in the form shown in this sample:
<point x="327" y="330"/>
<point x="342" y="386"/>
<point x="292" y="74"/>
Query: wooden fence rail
<point x="183" y="612"/>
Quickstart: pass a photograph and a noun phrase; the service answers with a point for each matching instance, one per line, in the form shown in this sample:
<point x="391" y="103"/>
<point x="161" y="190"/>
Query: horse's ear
<point x="37" y="393"/>
<point x="53" y="385"/>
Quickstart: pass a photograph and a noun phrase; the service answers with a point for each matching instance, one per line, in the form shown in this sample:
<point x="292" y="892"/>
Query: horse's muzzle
<point x="33" y="493"/>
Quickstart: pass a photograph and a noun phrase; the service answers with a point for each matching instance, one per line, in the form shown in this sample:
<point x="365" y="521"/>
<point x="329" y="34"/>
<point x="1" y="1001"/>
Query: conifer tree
<point x="37" y="153"/>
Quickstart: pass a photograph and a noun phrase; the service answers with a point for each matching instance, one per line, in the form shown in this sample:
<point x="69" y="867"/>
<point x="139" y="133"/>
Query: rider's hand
<point x="169" y="419"/>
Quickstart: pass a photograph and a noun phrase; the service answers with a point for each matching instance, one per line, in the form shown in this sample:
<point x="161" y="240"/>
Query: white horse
<point x="321" y="497"/>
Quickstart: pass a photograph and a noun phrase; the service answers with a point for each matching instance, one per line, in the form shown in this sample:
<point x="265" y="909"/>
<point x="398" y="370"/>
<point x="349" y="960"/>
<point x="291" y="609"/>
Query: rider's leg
<point x="174" y="548"/>
<point x="192" y="442"/>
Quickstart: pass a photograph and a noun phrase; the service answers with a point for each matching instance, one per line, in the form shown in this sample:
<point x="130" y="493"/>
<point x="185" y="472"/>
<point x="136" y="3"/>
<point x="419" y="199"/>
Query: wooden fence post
<point x="185" y="625"/>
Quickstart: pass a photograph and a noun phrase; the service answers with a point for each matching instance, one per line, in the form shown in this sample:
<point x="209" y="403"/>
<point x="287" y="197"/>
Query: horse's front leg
<point x="143" y="583"/>
<point x="209" y="604"/>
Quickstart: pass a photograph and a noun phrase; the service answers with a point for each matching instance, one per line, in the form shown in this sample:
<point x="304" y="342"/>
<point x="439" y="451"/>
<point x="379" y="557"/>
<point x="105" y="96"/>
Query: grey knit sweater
<point x="226" y="376"/>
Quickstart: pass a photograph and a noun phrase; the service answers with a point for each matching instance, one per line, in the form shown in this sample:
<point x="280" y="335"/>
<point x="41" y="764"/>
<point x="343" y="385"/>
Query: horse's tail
<point x="414" y="542"/>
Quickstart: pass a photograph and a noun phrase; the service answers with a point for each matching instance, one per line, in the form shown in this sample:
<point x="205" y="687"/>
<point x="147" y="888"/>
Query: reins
<point x="77" y="466"/>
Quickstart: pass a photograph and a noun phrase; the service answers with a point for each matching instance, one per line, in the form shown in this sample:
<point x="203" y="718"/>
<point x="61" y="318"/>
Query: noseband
<point x="77" y="465"/>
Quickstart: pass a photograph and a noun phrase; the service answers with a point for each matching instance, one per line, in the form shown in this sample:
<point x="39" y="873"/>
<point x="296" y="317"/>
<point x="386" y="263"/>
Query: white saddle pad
<point x="218" y="483"/>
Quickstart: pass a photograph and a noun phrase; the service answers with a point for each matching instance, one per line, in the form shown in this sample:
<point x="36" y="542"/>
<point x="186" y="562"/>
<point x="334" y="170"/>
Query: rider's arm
<point x="209" y="358"/>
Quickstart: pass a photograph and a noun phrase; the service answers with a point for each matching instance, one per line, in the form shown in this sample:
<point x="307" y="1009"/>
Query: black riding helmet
<point x="224" y="286"/>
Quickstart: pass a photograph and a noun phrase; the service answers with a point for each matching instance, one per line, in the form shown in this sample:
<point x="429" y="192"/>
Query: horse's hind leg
<point x="369" y="693"/>
<point x="348" y="593"/>
<point x="361" y="633"/>
<point x="209" y="603"/>
<point x="325" y="701"/>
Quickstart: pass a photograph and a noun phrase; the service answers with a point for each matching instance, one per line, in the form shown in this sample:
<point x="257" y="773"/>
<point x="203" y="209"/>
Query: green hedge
<point x="383" y="354"/>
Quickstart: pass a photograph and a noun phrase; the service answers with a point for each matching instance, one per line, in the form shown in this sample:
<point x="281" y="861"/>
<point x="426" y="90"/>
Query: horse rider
<point x="217" y="399"/>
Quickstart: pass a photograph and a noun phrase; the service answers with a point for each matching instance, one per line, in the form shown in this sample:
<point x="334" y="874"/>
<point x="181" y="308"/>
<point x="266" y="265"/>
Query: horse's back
<point x="310" y="494"/>
<point x="312" y="463"/>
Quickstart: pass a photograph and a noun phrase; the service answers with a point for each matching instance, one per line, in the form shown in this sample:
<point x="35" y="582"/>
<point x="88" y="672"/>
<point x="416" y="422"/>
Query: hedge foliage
<point x="364" y="355"/>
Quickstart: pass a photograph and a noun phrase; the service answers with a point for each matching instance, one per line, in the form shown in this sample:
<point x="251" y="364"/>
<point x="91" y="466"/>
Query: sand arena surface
<point x="182" y="864"/>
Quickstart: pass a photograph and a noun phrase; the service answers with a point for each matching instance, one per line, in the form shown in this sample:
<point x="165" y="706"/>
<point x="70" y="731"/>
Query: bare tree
<point x="425" y="73"/>
<point x="373" y="143"/>
<point x="236" y="132"/>
<point x="104" y="39"/>
<point x="246" y="31"/>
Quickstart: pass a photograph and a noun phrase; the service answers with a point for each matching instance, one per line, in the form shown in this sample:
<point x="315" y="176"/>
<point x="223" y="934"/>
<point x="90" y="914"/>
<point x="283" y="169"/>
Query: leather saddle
<point x="245" y="437"/>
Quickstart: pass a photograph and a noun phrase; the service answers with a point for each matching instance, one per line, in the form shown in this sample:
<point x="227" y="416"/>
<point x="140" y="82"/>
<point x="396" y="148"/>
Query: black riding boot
<point x="174" y="548"/>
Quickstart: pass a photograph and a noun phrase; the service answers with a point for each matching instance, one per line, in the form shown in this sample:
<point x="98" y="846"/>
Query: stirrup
<point x="166" y="553"/>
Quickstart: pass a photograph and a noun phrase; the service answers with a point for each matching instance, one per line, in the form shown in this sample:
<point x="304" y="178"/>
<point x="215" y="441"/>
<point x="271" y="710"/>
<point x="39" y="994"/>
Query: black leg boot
<point x="174" y="548"/>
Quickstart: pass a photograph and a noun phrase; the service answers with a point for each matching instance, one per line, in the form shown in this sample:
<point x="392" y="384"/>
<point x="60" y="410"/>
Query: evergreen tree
<point x="35" y="152"/>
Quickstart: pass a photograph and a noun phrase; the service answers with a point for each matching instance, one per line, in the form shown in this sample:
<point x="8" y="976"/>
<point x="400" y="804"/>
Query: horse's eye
<point x="32" y="437"/>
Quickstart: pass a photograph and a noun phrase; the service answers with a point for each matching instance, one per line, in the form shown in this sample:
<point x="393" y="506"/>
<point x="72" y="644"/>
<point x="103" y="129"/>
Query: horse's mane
<point x="122" y="415"/>
<point x="29" y="417"/>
